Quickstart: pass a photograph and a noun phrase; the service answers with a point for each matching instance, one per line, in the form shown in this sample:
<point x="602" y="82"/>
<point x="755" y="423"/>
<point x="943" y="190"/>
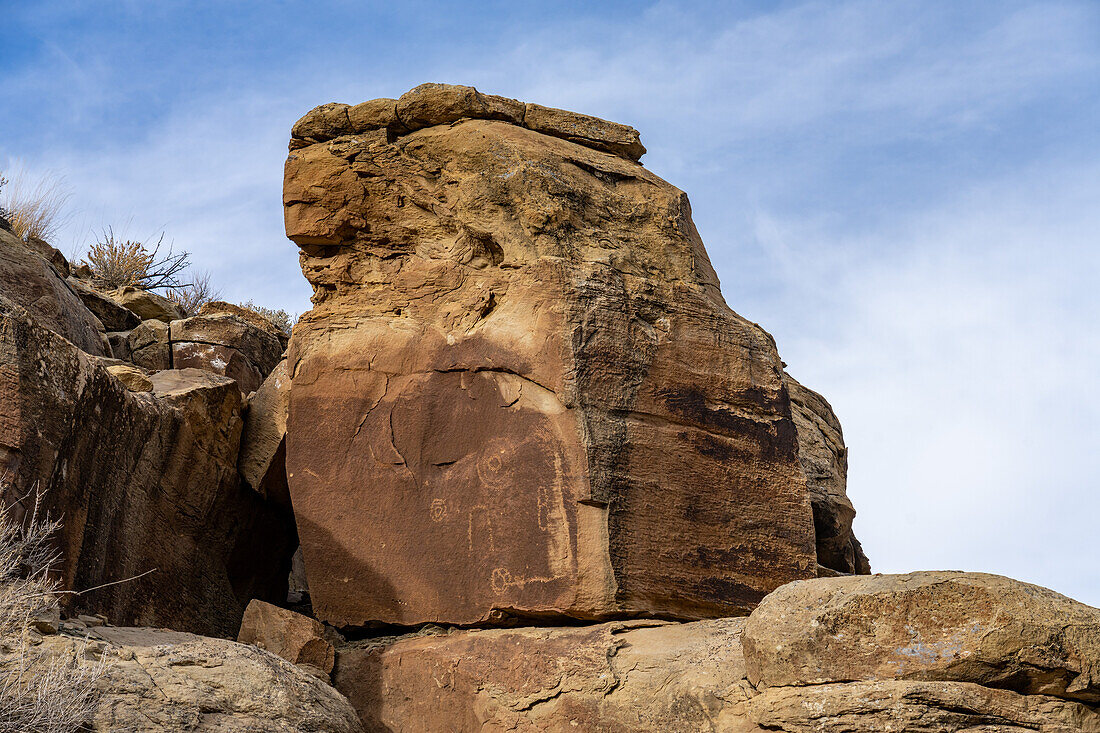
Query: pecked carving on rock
<point x="520" y="390"/>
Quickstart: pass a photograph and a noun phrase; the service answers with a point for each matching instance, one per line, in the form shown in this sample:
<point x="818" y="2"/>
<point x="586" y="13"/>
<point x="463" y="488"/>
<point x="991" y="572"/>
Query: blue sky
<point x="905" y="194"/>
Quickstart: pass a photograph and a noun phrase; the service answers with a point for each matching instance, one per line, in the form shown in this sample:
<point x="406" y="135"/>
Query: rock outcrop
<point x="778" y="671"/>
<point x="146" y="304"/>
<point x="145" y="481"/>
<point x="157" y="680"/>
<point x="519" y="391"/>
<point x="824" y="462"/>
<point x="26" y="278"/>
<point x="262" y="460"/>
<point x="225" y="343"/>
<point x="944" y="626"/>
<point x="619" y="676"/>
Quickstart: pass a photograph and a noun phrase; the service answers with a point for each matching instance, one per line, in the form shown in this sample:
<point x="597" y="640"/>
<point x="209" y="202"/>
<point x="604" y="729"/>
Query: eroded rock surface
<point x="965" y="627"/>
<point x="621" y="676"/>
<point x="26" y="278"/>
<point x="294" y="637"/>
<point x="227" y="344"/>
<point x="824" y="460"/>
<point x="145" y="481"/>
<point x="520" y="390"/>
<point x="156" y="680"/>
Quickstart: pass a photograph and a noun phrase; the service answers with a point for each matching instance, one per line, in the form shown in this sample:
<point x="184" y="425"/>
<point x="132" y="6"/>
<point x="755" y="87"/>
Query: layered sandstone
<point x="146" y="482"/>
<point x="519" y="390"/>
<point x="852" y="655"/>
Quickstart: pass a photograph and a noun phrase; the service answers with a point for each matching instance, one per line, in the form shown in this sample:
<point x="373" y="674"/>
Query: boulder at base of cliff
<point x="950" y="626"/>
<point x="157" y="680"/>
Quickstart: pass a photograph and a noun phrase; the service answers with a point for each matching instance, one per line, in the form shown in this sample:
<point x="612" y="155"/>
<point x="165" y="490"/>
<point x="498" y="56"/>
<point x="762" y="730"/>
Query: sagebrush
<point x="196" y="294"/>
<point x="38" y="693"/>
<point x="118" y="261"/>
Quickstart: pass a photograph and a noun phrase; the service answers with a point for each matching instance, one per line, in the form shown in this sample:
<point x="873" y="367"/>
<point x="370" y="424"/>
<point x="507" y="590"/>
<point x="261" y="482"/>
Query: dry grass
<point x="38" y="694"/>
<point x="196" y="294"/>
<point x="117" y="262"/>
<point x="36" y="207"/>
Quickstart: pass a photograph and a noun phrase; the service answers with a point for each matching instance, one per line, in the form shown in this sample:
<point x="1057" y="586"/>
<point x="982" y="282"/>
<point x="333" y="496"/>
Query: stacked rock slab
<point x="146" y="483"/>
<point x="520" y="390"/>
<point x="921" y="653"/>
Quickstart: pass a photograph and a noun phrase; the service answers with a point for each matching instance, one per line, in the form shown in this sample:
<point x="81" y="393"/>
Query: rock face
<point x="157" y="680"/>
<point x="292" y="636"/>
<point x="621" y="676"/>
<point x="824" y="462"/>
<point x="147" y="305"/>
<point x="519" y="390"/>
<point x="964" y="627"/>
<point x="262" y="460"/>
<point x="29" y="280"/>
<point x="227" y="344"/>
<point x="704" y="676"/>
<point x="144" y="481"/>
<point x="111" y="314"/>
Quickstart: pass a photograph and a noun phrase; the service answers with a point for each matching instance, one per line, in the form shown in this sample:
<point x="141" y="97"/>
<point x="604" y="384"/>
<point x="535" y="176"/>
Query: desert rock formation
<point x="519" y="390"/>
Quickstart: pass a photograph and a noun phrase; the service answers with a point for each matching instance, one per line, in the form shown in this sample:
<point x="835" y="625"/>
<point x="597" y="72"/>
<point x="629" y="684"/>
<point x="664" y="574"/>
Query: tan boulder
<point x="520" y="391"/>
<point x="262" y="460"/>
<point x="294" y="637"/>
<point x="51" y="254"/>
<point x="226" y="344"/>
<point x="621" y="676"/>
<point x="216" y="307"/>
<point x="824" y="462"/>
<point x="441" y="104"/>
<point x="912" y="707"/>
<point x="943" y="626"/>
<point x="146" y="304"/>
<point x="372" y="115"/>
<point x="30" y="282"/>
<point x="156" y="680"/>
<point x="133" y="378"/>
<point x="111" y="314"/>
<point x="149" y="345"/>
<point x="146" y="482"/>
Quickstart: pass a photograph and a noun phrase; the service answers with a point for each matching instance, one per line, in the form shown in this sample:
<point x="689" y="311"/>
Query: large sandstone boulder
<point x="622" y="676"/>
<point x="227" y="344"/>
<point x="965" y="627"/>
<point x="155" y="680"/>
<point x="635" y="676"/>
<point x="146" y="482"/>
<point x="32" y="282"/>
<point x="519" y="390"/>
<point x="296" y="638"/>
<point x="146" y="304"/>
<point x="262" y="460"/>
<point x="824" y="462"/>
<point x="149" y="345"/>
<point x="110" y="313"/>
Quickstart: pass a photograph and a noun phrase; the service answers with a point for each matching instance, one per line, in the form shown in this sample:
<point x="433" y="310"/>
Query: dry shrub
<point x="195" y="294"/>
<point x="38" y="694"/>
<point x="280" y="318"/>
<point x="118" y="262"/>
<point x="35" y="206"/>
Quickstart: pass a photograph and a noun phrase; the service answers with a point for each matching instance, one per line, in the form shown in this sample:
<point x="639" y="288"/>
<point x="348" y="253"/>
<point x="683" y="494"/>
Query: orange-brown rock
<point x="144" y="481"/>
<point x="296" y="638"/>
<point x="948" y="626"/>
<point x="824" y="462"/>
<point x="620" y="676"/>
<point x="519" y="390"/>
<point x="146" y="304"/>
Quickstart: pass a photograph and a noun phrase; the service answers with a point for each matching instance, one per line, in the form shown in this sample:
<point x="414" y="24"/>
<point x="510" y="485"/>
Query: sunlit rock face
<point x="519" y="390"/>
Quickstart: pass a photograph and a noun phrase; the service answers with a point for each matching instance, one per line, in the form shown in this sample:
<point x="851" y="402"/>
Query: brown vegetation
<point x="34" y="206"/>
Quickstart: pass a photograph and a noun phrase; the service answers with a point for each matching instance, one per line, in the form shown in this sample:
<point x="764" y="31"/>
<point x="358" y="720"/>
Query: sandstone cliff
<point x="519" y="390"/>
